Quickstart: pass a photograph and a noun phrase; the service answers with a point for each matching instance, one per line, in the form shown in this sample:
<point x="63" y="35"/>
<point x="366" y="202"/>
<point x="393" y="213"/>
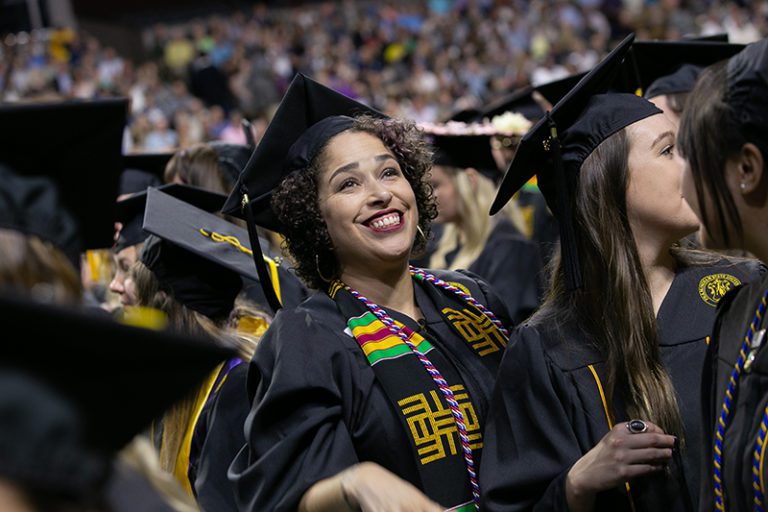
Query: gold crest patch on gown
<point x="713" y="287"/>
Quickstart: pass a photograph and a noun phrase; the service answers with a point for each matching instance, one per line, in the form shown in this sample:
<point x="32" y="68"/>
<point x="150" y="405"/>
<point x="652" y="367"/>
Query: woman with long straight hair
<point x="723" y="139"/>
<point x="597" y="399"/>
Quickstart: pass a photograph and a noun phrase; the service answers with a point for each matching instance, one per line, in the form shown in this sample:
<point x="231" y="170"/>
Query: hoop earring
<point x="421" y="232"/>
<point x="317" y="268"/>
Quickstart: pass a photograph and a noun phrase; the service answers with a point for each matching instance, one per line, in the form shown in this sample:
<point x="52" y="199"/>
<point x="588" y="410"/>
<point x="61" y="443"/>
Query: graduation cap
<point x="747" y="90"/>
<point x="522" y="102"/>
<point x="130" y="211"/>
<point x="232" y="159"/>
<point x="116" y="377"/>
<point x="207" y="236"/>
<point x="32" y="206"/>
<point x="465" y="151"/>
<point x="655" y="67"/>
<point x="77" y="144"/>
<point x="557" y="145"/>
<point x="184" y="260"/>
<point x="142" y="170"/>
<point x="307" y="117"/>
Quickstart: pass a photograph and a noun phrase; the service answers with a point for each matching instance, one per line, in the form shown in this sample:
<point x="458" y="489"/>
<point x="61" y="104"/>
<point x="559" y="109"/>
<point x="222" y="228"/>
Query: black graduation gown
<point x="128" y="491"/>
<point x="292" y="291"/>
<point x="318" y="408"/>
<point x="218" y="437"/>
<point x="543" y="225"/>
<point x="512" y="266"/>
<point x="735" y="315"/>
<point x="547" y="409"/>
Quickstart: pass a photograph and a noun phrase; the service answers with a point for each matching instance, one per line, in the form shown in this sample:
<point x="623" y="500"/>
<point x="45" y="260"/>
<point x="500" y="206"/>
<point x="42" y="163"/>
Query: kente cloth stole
<point x="424" y="413"/>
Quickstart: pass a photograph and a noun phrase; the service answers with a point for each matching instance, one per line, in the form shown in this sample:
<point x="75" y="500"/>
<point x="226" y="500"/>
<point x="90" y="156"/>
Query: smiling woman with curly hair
<point x="338" y="381"/>
<point x="296" y="205"/>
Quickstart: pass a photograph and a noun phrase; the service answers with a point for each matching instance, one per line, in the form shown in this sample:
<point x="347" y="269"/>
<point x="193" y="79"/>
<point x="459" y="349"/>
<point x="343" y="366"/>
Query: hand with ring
<point x="637" y="426"/>
<point x="631" y="449"/>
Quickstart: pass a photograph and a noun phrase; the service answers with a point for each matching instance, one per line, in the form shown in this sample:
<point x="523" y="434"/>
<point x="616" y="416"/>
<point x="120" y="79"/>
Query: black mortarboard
<point x="522" y="102"/>
<point x="130" y="211"/>
<point x="142" y="170"/>
<point x="307" y="117"/>
<point x="465" y="151"/>
<point x="681" y="81"/>
<point x="184" y="261"/>
<point x="232" y="159"/>
<point x="207" y="236"/>
<point x="42" y="440"/>
<point x="747" y="91"/>
<point x="78" y="145"/>
<point x="651" y="60"/>
<point x="557" y="145"/>
<point x="714" y="38"/>
<point x="32" y="205"/>
<point x="118" y="378"/>
<point x="466" y="115"/>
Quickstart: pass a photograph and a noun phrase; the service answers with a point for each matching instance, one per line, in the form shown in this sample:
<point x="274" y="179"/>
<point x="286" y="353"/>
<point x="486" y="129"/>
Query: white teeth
<point x="392" y="219"/>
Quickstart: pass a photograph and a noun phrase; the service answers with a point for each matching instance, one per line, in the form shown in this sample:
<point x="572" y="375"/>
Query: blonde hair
<point x="472" y="231"/>
<point x="176" y="420"/>
<point x="30" y="266"/>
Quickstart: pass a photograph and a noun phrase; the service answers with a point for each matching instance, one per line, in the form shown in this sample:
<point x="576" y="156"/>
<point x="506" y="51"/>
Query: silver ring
<point x="636" y="426"/>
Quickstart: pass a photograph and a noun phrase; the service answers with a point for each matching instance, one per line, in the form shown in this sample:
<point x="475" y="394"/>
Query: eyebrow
<point x="356" y="165"/>
<point x="660" y="137"/>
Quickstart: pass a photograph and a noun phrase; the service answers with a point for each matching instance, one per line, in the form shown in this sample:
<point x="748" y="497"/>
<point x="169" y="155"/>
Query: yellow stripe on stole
<point x="371" y="328"/>
<point x="610" y="425"/>
<point x="387" y="343"/>
<point x="181" y="469"/>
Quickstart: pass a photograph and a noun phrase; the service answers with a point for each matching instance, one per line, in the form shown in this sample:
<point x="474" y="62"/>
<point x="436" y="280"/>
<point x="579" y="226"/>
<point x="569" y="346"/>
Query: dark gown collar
<point x="687" y="314"/>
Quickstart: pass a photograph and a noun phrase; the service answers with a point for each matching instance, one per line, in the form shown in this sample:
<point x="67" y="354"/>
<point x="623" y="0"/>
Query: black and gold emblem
<point x="432" y="425"/>
<point x="713" y="287"/>
<point x="477" y="330"/>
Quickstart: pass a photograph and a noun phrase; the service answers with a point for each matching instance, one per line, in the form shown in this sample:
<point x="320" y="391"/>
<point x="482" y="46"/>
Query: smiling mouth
<point x="389" y="221"/>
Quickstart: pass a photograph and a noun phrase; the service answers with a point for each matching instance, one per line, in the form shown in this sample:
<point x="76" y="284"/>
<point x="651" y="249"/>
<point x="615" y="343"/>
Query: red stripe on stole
<point x="373" y="337"/>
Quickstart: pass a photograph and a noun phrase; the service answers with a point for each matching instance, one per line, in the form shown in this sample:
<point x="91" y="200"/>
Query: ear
<point x="750" y="169"/>
<point x="472" y="175"/>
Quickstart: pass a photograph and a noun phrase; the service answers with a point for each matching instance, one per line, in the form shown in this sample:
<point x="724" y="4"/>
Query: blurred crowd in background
<point x="417" y="59"/>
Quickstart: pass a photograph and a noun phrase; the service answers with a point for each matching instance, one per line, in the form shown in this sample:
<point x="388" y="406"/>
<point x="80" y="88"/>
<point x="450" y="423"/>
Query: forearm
<point x="329" y="495"/>
<point x="578" y="498"/>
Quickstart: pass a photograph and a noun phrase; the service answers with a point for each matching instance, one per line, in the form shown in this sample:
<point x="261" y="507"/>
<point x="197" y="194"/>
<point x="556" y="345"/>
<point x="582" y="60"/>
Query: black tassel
<point x="258" y="258"/>
<point x="568" y="249"/>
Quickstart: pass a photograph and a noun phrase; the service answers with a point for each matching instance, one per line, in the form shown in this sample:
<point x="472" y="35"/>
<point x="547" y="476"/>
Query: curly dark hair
<point x="295" y="201"/>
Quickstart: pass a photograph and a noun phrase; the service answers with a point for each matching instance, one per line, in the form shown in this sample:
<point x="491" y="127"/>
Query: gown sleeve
<point x="529" y="443"/>
<point x="513" y="266"/>
<point x="490" y="298"/>
<point x="296" y="432"/>
<point x="223" y="438"/>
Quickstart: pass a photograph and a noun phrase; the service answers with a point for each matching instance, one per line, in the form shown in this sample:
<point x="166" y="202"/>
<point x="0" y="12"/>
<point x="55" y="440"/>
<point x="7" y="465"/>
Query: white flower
<point x="511" y="123"/>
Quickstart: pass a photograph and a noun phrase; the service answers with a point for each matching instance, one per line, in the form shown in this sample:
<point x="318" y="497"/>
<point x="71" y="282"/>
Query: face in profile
<point x="367" y="203"/>
<point x="122" y="282"/>
<point x="655" y="203"/>
<point x="446" y="194"/>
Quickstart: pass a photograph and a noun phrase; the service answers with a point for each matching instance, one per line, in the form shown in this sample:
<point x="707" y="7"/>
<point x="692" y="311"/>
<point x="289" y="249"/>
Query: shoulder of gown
<point x="221" y="423"/>
<point x="478" y="288"/>
<point x="529" y="443"/>
<point x="300" y="376"/>
<point x="513" y="265"/>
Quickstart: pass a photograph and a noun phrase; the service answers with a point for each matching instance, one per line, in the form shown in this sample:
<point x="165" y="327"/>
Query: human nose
<point x="116" y="285"/>
<point x="379" y="194"/>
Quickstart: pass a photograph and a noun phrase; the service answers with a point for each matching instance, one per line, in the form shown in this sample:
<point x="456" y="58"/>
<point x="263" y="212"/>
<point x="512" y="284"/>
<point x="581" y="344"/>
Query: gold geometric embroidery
<point x="432" y="425"/>
<point x="478" y="330"/>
